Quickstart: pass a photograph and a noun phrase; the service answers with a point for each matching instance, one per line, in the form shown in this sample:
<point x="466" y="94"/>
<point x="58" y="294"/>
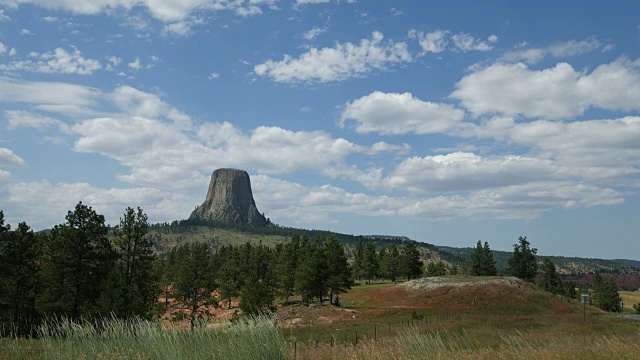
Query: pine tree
<point x="135" y="262"/>
<point x="338" y="271"/>
<point x="310" y="278"/>
<point x="550" y="280"/>
<point x="228" y="274"/>
<point x="20" y="254"/>
<point x="389" y="262"/>
<point x="287" y="266"/>
<point x="358" y="259"/>
<point x="436" y="269"/>
<point x="78" y="258"/>
<point x="481" y="262"/>
<point x="605" y="294"/>
<point x="523" y="263"/>
<point x="410" y="263"/>
<point x="369" y="265"/>
<point x="194" y="280"/>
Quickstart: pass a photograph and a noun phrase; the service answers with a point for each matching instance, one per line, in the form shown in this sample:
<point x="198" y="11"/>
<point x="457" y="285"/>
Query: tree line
<point x="83" y="269"/>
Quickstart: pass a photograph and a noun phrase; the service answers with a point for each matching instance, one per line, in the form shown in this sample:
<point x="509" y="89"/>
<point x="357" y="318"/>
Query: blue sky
<point x="448" y="123"/>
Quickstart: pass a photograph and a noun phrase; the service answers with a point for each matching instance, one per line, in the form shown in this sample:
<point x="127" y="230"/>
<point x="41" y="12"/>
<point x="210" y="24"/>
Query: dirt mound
<point x="432" y="283"/>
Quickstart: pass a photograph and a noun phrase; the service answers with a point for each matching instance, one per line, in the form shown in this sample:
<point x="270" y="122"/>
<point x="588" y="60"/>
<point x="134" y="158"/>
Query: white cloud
<point x="305" y="109"/>
<point x="114" y="60"/>
<point x="22" y="201"/>
<point x="25" y="32"/>
<point x="181" y="28"/>
<point x="13" y="52"/>
<point x="135" y="64"/>
<point x="50" y="19"/>
<point x="440" y="40"/>
<point x="339" y="63"/>
<point x="393" y="114"/>
<point x="58" y="61"/>
<point x="140" y="103"/>
<point x="3" y="48"/>
<point x="305" y="2"/>
<point x="553" y="93"/>
<point x="8" y="158"/>
<point x="558" y="50"/>
<point x="3" y="16"/>
<point x="462" y="171"/>
<point x="396" y="12"/>
<point x="313" y="33"/>
<point x="166" y="10"/>
<point x="213" y="76"/>
<point x="22" y="119"/>
<point x="49" y="93"/>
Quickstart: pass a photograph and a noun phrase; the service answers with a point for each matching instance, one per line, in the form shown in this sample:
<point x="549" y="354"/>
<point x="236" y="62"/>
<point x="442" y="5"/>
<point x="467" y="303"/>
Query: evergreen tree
<point x="410" y="263"/>
<point x="310" y="278"/>
<point x="256" y="296"/>
<point x="228" y="274"/>
<point x="523" y="263"/>
<point x="20" y="253"/>
<point x="436" y="269"/>
<point x="481" y="262"/>
<point x="194" y="280"/>
<point x="550" y="280"/>
<point x="135" y="263"/>
<point x="358" y="259"/>
<point x="369" y="265"/>
<point x="286" y="267"/>
<point x="78" y="257"/>
<point x="338" y="271"/>
<point x="570" y="289"/>
<point x="606" y="296"/>
<point x="389" y="262"/>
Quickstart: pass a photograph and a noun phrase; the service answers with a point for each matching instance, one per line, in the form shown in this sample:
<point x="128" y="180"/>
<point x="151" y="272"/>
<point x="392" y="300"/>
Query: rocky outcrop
<point x="229" y="199"/>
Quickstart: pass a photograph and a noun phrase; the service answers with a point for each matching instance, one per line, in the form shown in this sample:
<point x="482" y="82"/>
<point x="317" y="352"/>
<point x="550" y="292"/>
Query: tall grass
<point x="112" y="338"/>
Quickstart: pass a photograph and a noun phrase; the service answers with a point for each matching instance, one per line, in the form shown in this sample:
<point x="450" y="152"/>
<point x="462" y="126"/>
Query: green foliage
<point x="410" y="263"/>
<point x="134" y="265"/>
<point x="481" y="261"/>
<point x="605" y="294"/>
<point x="523" y="263"/>
<point x="370" y="265"/>
<point x="390" y="262"/>
<point x="338" y="270"/>
<point x="287" y="256"/>
<point x="256" y="296"/>
<point x="194" y="280"/>
<point x="436" y="269"/>
<point x="20" y="251"/>
<point x="550" y="279"/>
<point x="636" y="307"/>
<point x="78" y="258"/>
<point x="113" y="338"/>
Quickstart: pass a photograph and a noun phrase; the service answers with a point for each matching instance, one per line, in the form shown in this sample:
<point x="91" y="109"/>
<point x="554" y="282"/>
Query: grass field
<point x="629" y="298"/>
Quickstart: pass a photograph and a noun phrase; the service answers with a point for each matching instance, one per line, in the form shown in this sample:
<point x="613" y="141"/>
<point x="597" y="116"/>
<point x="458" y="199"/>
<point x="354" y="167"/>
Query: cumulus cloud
<point x="559" y="50"/>
<point x="140" y="103"/>
<point x="393" y="114"/>
<point x="555" y="93"/>
<point x="341" y="62"/>
<point x="23" y="202"/>
<point x="8" y="158"/>
<point x="440" y="40"/>
<point x="166" y="11"/>
<point x="58" y="61"/>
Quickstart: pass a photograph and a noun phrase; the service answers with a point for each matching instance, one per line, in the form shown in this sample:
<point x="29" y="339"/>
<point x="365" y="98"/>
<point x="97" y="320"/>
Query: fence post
<point x="295" y="350"/>
<point x="375" y="332"/>
<point x="356" y="337"/>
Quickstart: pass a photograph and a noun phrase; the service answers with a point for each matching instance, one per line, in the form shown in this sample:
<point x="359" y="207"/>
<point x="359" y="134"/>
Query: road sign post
<point x="584" y="299"/>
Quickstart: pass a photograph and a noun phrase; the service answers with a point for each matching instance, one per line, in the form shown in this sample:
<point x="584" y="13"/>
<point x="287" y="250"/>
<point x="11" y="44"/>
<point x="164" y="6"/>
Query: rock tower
<point x="229" y="199"/>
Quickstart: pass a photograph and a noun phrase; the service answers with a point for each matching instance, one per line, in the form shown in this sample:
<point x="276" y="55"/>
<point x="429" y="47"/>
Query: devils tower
<point x="229" y="199"/>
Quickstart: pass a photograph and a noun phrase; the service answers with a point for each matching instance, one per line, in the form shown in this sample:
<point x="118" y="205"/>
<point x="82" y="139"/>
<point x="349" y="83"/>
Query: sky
<point x="448" y="122"/>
